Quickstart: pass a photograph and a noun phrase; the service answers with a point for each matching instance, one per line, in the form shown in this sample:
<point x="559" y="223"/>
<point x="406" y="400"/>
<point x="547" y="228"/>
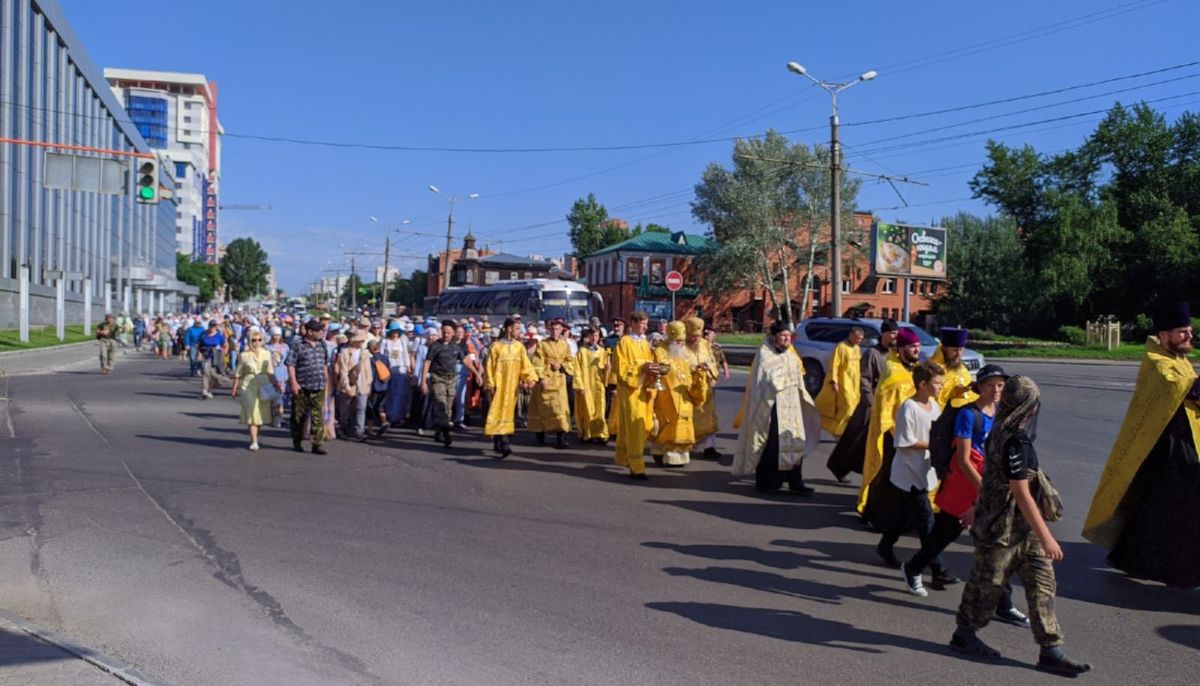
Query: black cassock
<point x="1160" y="540"/>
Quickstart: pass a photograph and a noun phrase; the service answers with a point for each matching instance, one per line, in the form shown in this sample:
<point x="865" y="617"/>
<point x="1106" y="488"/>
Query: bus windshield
<point x="571" y="306"/>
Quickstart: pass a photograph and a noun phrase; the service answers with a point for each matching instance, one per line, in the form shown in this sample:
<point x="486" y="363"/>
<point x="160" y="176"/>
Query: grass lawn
<point x="1126" y="351"/>
<point x="40" y="337"/>
<point x="740" y="338"/>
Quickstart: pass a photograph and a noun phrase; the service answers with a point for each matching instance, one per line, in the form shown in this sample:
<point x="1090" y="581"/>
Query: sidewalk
<point x="30" y="654"/>
<point x="48" y="359"/>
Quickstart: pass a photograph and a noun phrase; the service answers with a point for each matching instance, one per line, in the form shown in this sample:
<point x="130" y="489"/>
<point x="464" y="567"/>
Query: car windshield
<point x="571" y="306"/>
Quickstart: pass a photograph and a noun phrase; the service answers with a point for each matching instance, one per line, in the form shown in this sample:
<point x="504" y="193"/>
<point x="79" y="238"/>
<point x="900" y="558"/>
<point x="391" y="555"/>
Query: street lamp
<point x="835" y="193"/>
<point x="449" y="230"/>
<point x="387" y="248"/>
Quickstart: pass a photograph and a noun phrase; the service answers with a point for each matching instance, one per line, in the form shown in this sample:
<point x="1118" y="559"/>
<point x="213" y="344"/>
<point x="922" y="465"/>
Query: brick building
<point x="629" y="276"/>
<point x="473" y="267"/>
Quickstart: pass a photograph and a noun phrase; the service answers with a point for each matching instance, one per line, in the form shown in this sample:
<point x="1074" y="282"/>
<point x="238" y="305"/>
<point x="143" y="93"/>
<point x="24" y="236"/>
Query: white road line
<point x="88" y="420"/>
<point x="12" y="432"/>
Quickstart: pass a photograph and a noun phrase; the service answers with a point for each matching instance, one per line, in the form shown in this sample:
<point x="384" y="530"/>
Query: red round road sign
<point x="674" y="281"/>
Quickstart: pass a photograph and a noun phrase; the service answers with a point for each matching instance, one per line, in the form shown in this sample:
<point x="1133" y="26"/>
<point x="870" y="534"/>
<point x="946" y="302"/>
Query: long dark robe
<point x="767" y="475"/>
<point x="851" y="449"/>
<point x="1161" y="537"/>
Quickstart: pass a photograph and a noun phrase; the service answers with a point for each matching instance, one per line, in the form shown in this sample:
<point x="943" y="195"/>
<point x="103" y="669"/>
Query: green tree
<point x="245" y="268"/>
<point x="769" y="214"/>
<point x="409" y="291"/>
<point x="353" y="292"/>
<point x="989" y="283"/>
<point x="206" y="277"/>
<point x="590" y="229"/>
<point x="651" y="227"/>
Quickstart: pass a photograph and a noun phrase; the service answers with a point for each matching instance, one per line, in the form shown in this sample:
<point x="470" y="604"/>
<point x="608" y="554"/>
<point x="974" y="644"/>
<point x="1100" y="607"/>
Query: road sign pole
<point x="672" y="305"/>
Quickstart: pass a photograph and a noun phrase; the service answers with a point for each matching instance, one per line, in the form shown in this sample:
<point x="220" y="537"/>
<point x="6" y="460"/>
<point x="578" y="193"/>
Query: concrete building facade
<point x="95" y="251"/>
<point x="177" y="114"/>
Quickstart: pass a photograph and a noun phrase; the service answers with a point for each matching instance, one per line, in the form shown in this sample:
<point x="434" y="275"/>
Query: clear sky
<point x="564" y="74"/>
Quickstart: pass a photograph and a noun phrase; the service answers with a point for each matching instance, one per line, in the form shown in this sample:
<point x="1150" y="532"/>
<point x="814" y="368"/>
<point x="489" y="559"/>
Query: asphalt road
<point x="133" y="520"/>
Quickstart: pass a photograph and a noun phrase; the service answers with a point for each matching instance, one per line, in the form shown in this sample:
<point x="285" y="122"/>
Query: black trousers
<point x="767" y="475"/>
<point x="945" y="530"/>
<point x="913" y="511"/>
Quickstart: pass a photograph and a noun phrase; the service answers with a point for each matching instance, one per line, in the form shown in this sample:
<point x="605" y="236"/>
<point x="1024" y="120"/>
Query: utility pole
<point x="353" y="288"/>
<point x="449" y="237"/>
<point x="387" y="249"/>
<point x="835" y="248"/>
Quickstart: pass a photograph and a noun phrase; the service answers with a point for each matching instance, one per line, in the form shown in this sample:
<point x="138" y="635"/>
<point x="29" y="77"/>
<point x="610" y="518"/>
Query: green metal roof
<point x="677" y="243"/>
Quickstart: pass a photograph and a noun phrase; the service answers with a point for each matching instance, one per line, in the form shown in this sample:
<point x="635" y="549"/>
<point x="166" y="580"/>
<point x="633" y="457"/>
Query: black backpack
<point x="941" y="438"/>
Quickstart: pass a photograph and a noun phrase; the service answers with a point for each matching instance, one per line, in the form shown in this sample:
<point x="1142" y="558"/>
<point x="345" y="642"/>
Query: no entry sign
<point x="674" y="281"/>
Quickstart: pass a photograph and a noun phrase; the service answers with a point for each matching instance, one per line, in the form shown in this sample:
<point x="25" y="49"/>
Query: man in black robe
<point x="851" y="448"/>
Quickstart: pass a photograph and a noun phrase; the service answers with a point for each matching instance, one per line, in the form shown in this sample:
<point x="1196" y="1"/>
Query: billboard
<point x="906" y="251"/>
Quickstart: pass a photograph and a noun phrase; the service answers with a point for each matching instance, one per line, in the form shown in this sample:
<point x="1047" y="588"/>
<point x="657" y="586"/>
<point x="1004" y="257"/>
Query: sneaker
<point x="254" y="446"/>
<point x="420" y="431"/>
<point x="639" y="477"/>
<point x="1061" y="664"/>
<point x="460" y="426"/>
<point x="914" y="583"/>
<point x="298" y="446"/>
<point x="1013" y="616"/>
<point x="318" y="450"/>
<point x="941" y="578"/>
<point x="798" y="488"/>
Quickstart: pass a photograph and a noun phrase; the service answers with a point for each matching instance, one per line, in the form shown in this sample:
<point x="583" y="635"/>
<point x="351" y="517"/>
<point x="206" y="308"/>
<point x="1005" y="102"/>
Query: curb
<point x="1065" y="360"/>
<point x="116" y="668"/>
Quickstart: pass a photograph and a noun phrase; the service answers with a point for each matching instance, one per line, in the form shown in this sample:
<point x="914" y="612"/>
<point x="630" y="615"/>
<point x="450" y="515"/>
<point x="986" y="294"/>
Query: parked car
<point x="816" y="338"/>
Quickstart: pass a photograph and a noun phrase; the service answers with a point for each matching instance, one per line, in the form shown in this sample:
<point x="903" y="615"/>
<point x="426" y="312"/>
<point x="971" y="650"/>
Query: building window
<point x="491" y="277"/>
<point x="633" y="270"/>
<point x="889" y="285"/>
<point x="529" y="275"/>
<point x="912" y="286"/>
<point x="658" y="270"/>
<point x="845" y="285"/>
<point x="513" y="276"/>
<point x="469" y="275"/>
<point x="181" y="170"/>
<point x="187" y="120"/>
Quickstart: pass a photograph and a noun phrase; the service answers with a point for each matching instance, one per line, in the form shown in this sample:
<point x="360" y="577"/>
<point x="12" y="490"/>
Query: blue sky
<point x="575" y="74"/>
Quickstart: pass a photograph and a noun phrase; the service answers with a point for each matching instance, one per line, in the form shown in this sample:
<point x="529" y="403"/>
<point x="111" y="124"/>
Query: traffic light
<point x="147" y="180"/>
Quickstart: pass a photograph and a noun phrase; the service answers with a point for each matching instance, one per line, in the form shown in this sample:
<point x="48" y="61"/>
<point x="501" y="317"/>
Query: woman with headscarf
<point x="1011" y="534"/>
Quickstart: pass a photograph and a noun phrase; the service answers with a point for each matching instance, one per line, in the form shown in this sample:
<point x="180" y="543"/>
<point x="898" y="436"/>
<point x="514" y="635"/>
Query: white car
<point x="816" y="338"/>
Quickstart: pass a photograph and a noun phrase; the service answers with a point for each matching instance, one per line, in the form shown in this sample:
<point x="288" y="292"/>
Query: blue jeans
<point x="194" y="360"/>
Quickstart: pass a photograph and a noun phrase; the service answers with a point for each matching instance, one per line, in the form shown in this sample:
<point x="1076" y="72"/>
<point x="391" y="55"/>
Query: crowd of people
<point x="940" y="450"/>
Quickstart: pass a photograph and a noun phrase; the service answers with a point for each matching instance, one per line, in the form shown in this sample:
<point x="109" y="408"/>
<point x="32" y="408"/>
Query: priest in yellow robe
<point x="706" y="422"/>
<point x="549" y="406"/>
<point x="1146" y="509"/>
<point x="956" y="385"/>
<point x="895" y="387"/>
<point x="840" y="393"/>
<point x="591" y="373"/>
<point x="685" y="387"/>
<point x="508" y="370"/>
<point x="636" y="374"/>
<point x="778" y="423"/>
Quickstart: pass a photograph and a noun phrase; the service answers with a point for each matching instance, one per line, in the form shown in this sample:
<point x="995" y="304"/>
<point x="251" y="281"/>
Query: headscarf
<point x="1018" y="411"/>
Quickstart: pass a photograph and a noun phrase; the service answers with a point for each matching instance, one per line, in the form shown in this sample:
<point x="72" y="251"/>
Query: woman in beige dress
<point x="254" y="371"/>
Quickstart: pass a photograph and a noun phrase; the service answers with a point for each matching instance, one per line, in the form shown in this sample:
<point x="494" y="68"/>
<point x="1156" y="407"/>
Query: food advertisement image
<point x="909" y="251"/>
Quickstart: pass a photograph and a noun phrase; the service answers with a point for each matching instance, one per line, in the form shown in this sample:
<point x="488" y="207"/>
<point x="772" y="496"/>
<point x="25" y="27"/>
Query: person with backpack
<point x="381" y="376"/>
<point x="958" y="458"/>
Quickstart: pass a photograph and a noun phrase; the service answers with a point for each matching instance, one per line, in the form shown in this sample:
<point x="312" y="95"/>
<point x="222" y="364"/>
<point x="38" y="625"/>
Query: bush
<point x="983" y="335"/>
<point x="1075" y="335"/>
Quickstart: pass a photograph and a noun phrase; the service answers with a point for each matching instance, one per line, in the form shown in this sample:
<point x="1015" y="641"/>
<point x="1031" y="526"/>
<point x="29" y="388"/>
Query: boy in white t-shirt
<point x="912" y="471"/>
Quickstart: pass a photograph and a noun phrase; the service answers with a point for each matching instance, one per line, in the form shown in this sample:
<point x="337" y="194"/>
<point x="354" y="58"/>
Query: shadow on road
<point x="1187" y="636"/>
<point x="19" y="649"/>
<point x="209" y="442"/>
<point x="789" y="512"/>
<point x="799" y="627"/>
<point x="1084" y="575"/>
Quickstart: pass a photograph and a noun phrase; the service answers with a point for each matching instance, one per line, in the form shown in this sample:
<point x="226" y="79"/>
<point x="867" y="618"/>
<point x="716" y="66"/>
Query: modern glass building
<point x="110" y="252"/>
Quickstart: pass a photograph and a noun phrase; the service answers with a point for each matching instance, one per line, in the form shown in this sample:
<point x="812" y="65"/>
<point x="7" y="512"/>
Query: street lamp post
<point x="449" y="232"/>
<point x="387" y="249"/>
<point x="835" y="193"/>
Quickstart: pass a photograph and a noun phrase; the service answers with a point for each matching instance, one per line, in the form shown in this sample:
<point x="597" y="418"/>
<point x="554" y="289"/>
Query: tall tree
<point x="769" y="214"/>
<point x="245" y="268"/>
<point x="590" y="228"/>
<point x="988" y="284"/>
<point x="206" y="277"/>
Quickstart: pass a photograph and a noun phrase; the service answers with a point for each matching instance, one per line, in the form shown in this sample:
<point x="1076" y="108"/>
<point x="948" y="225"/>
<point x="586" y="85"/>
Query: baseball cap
<point x="989" y="371"/>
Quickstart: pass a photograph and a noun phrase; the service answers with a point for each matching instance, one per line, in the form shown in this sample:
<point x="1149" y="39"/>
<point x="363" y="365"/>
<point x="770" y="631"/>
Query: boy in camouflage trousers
<point x="108" y="347"/>
<point x="1011" y="535"/>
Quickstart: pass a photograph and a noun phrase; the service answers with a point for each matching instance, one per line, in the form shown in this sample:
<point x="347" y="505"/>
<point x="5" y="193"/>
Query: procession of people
<point x="941" y="451"/>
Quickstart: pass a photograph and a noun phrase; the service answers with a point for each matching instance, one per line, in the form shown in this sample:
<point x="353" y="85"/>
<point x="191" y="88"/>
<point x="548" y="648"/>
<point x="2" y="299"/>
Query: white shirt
<point x="397" y="353"/>
<point x="911" y="468"/>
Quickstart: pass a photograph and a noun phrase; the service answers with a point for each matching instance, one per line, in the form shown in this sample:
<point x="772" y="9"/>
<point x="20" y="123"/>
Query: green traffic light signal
<point x="147" y="188"/>
<point x="146" y="193"/>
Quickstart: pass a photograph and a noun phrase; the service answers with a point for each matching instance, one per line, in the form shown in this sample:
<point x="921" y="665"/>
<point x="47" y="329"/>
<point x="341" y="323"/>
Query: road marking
<point x="88" y="421"/>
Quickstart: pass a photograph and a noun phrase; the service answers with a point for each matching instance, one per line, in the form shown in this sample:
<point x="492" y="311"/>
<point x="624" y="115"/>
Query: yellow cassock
<point x="1162" y="385"/>
<point x="507" y="366"/>
<point x="705" y="418"/>
<point x="893" y="390"/>
<point x="837" y="406"/>
<point x="634" y="403"/>
<point x="956" y="384"/>
<point x="591" y="371"/>
<point x="549" y="407"/>
<point x="674" y="408"/>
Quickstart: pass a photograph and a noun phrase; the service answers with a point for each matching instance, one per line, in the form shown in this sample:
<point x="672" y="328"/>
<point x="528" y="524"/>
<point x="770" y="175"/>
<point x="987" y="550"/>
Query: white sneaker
<point x="206" y="395"/>
<point x="254" y="446"/>
<point x="914" y="583"/>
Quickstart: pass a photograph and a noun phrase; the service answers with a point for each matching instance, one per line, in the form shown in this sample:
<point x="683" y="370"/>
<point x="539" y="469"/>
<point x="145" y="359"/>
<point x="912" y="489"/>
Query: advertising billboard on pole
<point x="906" y="251"/>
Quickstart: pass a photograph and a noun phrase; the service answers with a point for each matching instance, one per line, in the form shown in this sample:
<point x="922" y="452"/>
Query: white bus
<point x="533" y="299"/>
